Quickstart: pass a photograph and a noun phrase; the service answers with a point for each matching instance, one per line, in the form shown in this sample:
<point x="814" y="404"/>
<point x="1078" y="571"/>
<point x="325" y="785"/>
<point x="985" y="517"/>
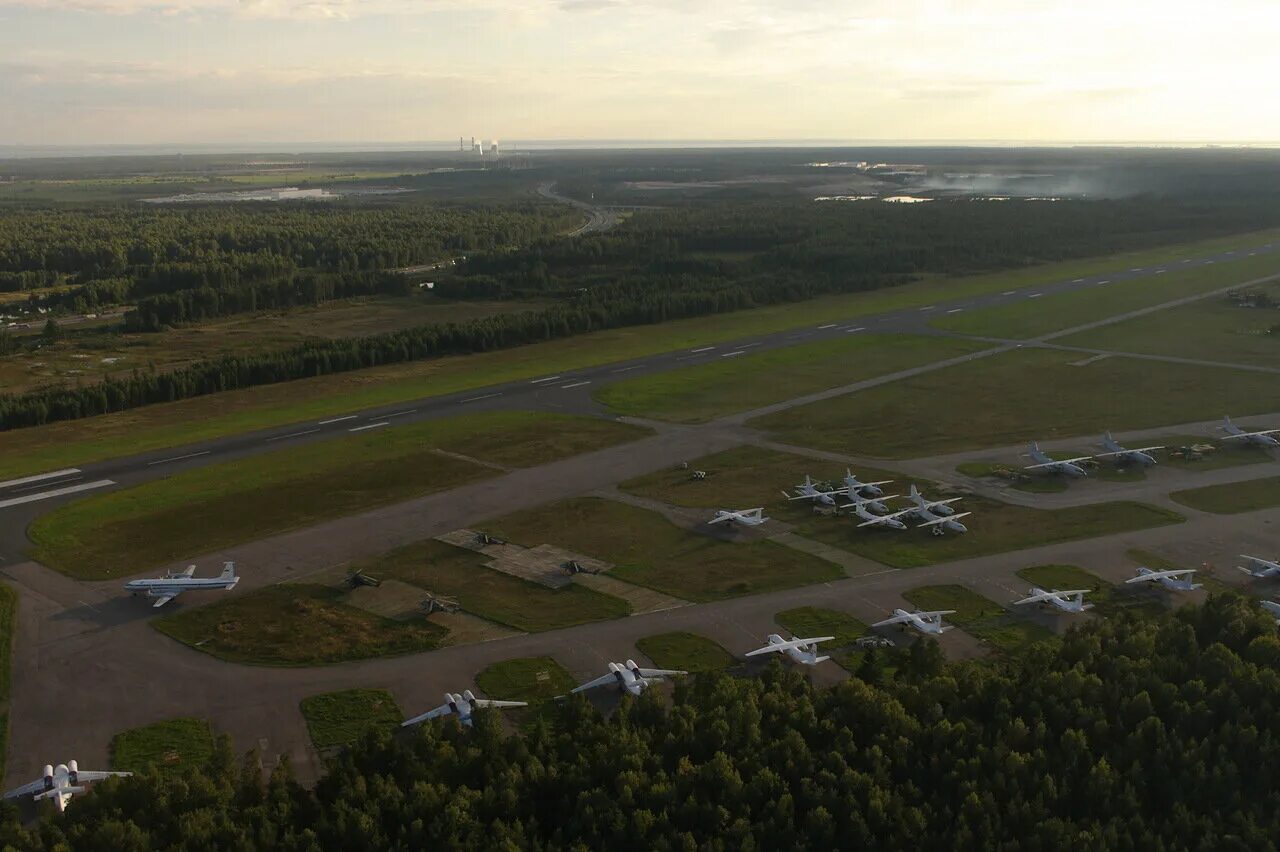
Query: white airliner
<point x="629" y="678"/>
<point x="175" y="583"/>
<point x="1256" y="566"/>
<point x="925" y="622"/>
<point x="1168" y="579"/>
<point x="60" y="784"/>
<point x="1067" y="467"/>
<point x="1068" y="601"/>
<point x="807" y="490"/>
<point x="803" y="651"/>
<point x="1261" y="438"/>
<point x="1124" y="455"/>
<point x="463" y="706"/>
<point x="746" y="517"/>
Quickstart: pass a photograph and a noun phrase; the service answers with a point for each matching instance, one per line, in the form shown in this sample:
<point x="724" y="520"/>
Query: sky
<point x="104" y="72"/>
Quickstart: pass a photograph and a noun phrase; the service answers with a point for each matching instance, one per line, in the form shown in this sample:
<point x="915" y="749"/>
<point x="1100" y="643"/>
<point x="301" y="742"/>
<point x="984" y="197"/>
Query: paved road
<point x="599" y="219"/>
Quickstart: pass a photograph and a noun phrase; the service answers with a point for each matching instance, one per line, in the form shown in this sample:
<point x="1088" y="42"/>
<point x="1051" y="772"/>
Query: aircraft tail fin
<point x="915" y="492"/>
<point x="228" y="571"/>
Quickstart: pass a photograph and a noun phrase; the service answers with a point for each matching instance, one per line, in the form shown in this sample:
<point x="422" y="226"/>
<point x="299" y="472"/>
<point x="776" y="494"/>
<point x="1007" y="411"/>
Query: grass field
<point x="685" y="652"/>
<point x="978" y="616"/>
<point x="341" y="718"/>
<point x="8" y="618"/>
<point x="68" y="444"/>
<point x="809" y="621"/>
<point x="1232" y="498"/>
<point x="1019" y="396"/>
<point x="1032" y="318"/>
<point x="458" y="573"/>
<point x="530" y="679"/>
<point x="174" y="747"/>
<point x="126" y="531"/>
<point x="1204" y="574"/>
<point x="295" y="625"/>
<point x="650" y="551"/>
<point x="729" y="385"/>
<point x="994" y="527"/>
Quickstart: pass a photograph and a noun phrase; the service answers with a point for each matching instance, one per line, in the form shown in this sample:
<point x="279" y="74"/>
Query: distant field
<point x="811" y="621"/>
<point x="295" y="625"/>
<point x="685" y="652"/>
<point x="1032" y="318"/>
<point x="341" y="718"/>
<point x="745" y="382"/>
<point x="458" y="573"/>
<point x="1232" y="498"/>
<point x="126" y="531"/>
<point x="978" y="616"/>
<point x="174" y="748"/>
<point x="649" y="550"/>
<point x="1018" y="396"/>
<point x="530" y="679"/>
<point x="65" y="444"/>
<point x="1212" y="329"/>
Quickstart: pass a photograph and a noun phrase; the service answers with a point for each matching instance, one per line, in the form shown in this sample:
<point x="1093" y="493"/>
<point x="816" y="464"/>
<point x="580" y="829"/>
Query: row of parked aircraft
<point x="1141" y="456"/>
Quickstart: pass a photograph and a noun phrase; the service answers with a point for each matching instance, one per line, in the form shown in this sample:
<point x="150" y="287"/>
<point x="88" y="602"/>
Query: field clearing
<point x="1212" y="329"/>
<point x="295" y="625"/>
<point x="729" y="385"/>
<point x="1027" y="319"/>
<point x="649" y="550"/>
<point x="994" y="527"/>
<point x="1019" y="396"/>
<point x="123" y="532"/>
<point x="810" y="621"/>
<point x="531" y="679"/>
<point x="459" y="573"/>
<point x="685" y="652"/>
<point x="340" y="718"/>
<point x="978" y="616"/>
<point x="67" y="444"/>
<point x="173" y="748"/>
<point x="1232" y="498"/>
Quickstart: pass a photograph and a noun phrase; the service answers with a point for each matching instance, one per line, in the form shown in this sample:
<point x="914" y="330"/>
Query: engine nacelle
<point x="72" y="769"/>
<point x="48" y="777"/>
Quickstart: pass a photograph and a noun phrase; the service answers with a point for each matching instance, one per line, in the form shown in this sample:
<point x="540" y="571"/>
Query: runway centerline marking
<point x="574" y="385"/>
<point x="625" y="369"/>
<point x="1008" y="292"/>
<point x="379" y="424"/>
<point x="57" y="492"/>
<point x="339" y="419"/>
<point x="547" y="379"/>
<point x="293" y="435"/>
<point x="852" y="330"/>
<point x="39" y="485"/>
<point x="731" y="354"/>
<point x="703" y="349"/>
<point x="955" y="310"/>
<point x="478" y="398"/>
<point x="179" y="458"/>
<point x="400" y="413"/>
<point x="828" y="325"/>
<point x="1035" y="295"/>
<point x="39" y="477"/>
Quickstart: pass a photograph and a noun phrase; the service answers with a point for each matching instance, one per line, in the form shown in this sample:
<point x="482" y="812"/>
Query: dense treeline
<point x="1129" y="734"/>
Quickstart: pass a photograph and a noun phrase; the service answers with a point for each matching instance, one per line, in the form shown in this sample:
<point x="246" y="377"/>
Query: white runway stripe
<point x="57" y="473"/>
<point x="57" y="492"/>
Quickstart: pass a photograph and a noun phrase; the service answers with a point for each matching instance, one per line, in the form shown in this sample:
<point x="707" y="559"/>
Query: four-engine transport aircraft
<point x="175" y="583"/>
<point x="1256" y="566"/>
<point x="629" y="678"/>
<point x="925" y="622"/>
<point x="1169" y="579"/>
<point x="1261" y="438"/>
<point x="1068" y="601"/>
<point x="61" y="783"/>
<point x="1124" y="455"/>
<point x="1066" y="467"/>
<point x="463" y="706"/>
<point x="747" y="517"/>
<point x="808" y="490"/>
<point x="803" y="651"/>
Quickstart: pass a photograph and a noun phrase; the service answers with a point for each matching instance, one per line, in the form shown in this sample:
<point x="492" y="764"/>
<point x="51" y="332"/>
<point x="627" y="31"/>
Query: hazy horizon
<point x="357" y="74"/>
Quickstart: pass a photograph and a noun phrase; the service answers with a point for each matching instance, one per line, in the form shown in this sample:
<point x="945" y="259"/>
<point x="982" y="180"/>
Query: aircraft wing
<point x="611" y="677"/>
<point x="720" y="519"/>
<point x="658" y="672"/>
<point x="489" y="702"/>
<point x="931" y="503"/>
<point x="165" y="596"/>
<point x="882" y="518"/>
<point x="26" y="789"/>
<point x="794" y="643"/>
<point x="1250" y="434"/>
<point x="945" y="518"/>
<point x="1161" y="575"/>
<point x="1059" y="461"/>
<point x="897" y="619"/>
<point x="96" y="775"/>
<point x="936" y="613"/>
<point x="1043" y="596"/>
<point x="442" y="710"/>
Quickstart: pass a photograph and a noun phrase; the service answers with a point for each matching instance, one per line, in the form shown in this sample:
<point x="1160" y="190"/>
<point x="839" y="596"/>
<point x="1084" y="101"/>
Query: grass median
<point x="687" y="652"/>
<point x="173" y="748"/>
<point x="1233" y="497"/>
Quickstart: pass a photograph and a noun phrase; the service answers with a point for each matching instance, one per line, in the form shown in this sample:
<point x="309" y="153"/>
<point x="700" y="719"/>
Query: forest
<point x="1133" y="733"/>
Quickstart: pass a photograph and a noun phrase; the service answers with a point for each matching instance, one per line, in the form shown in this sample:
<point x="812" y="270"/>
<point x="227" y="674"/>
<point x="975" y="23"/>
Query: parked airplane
<point x="1262" y="438"/>
<point x="629" y="678"/>
<point x="803" y="651"/>
<point x="807" y="490"/>
<point x="60" y="784"/>
<point x="925" y="622"/>
<point x="1257" y="567"/>
<point x="872" y="520"/>
<point x="874" y="504"/>
<point x="1273" y="608"/>
<point x="1168" y="579"/>
<point x="175" y="583"/>
<point x="463" y="706"/>
<point x="1067" y="467"/>
<point x="944" y="519"/>
<point x="746" y="517"/>
<point x="1123" y="455"/>
<point x="1068" y="601"/>
<point x="937" y="507"/>
<point x="853" y="485"/>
